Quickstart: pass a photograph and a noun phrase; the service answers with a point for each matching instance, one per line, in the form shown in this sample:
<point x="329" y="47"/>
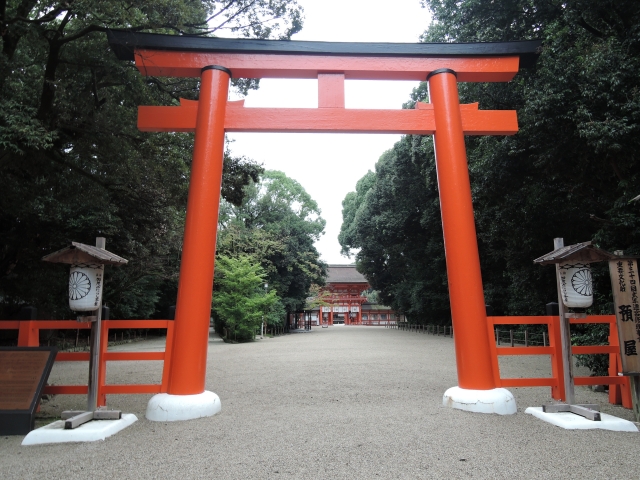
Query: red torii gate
<point x="216" y="60"/>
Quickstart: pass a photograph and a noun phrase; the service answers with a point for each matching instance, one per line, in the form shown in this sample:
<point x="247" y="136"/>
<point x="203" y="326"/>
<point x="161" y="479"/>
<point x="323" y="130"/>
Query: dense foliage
<point x="73" y="166"/>
<point x="276" y="226"/>
<point x="241" y="300"/>
<point x="571" y="171"/>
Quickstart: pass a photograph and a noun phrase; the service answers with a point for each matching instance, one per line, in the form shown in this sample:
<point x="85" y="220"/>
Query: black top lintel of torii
<point x="123" y="44"/>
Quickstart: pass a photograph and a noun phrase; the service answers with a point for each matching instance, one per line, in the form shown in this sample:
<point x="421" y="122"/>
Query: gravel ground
<point x="342" y="402"/>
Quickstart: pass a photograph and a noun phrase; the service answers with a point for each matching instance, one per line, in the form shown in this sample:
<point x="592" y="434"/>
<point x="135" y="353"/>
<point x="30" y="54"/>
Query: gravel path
<point x="343" y="402"/>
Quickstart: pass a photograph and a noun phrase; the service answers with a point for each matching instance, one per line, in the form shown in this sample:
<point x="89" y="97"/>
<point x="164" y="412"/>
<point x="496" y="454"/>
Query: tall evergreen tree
<point x="73" y="165"/>
<point x="571" y="171"/>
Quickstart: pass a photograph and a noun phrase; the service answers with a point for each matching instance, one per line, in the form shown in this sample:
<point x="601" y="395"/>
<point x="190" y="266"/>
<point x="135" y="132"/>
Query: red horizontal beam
<point x="65" y="390"/>
<point x="9" y="324"/>
<point x="521" y="320"/>
<point x="593" y="319"/>
<point x="528" y="382"/>
<point x="127" y="389"/>
<point x="112" y="324"/>
<point x="591" y="349"/>
<point x="318" y="120"/>
<point x="599" y="380"/>
<point x="125" y="356"/>
<point x="159" y="63"/>
<point x="525" y="350"/>
<point x="72" y="357"/>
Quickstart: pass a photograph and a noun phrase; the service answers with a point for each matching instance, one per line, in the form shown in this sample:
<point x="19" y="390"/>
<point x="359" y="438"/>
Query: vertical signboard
<point x="624" y="282"/>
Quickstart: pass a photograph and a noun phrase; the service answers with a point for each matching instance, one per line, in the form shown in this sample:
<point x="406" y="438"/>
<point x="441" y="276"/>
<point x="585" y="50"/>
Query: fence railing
<point x="547" y="343"/>
<point x="619" y="391"/>
<point x="29" y="336"/>
<point x="444" y="330"/>
<point x="522" y="337"/>
<point x="378" y="323"/>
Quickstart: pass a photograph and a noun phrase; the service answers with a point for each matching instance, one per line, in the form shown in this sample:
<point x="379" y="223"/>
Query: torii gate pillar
<point x="186" y="397"/>
<point x="477" y="390"/>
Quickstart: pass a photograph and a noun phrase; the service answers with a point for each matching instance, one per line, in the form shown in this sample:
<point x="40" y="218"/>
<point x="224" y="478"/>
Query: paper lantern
<point x="576" y="284"/>
<point x="85" y="287"/>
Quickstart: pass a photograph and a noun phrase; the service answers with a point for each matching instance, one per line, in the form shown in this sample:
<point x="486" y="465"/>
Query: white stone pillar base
<point x="171" y="408"/>
<point x="498" y="400"/>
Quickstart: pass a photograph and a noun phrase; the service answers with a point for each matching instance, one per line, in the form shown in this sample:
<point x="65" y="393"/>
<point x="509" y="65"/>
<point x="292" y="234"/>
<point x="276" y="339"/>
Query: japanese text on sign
<point x="624" y="281"/>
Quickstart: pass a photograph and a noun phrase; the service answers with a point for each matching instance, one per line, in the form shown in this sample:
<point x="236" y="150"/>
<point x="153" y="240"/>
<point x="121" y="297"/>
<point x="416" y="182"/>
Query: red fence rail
<point x="619" y="390"/>
<point x="29" y="336"/>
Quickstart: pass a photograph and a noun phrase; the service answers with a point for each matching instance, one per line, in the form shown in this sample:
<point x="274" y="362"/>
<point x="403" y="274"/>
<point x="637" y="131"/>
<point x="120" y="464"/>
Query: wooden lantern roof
<point x="580" y="252"/>
<point x="79" y="253"/>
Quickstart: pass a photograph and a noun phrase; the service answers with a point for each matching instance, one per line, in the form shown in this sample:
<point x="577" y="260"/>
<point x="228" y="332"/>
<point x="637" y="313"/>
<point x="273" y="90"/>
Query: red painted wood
<point x="128" y="389"/>
<point x="309" y="120"/>
<point x="466" y="295"/>
<point x="126" y="356"/>
<point x="598" y="380"/>
<point x="525" y="350"/>
<point x="593" y="319"/>
<point x="591" y="349"/>
<point x="66" y="390"/>
<point x="72" y="357"/>
<point x="331" y="90"/>
<point x="255" y="65"/>
<point x="521" y="320"/>
<point x="528" y="382"/>
<point x="193" y="307"/>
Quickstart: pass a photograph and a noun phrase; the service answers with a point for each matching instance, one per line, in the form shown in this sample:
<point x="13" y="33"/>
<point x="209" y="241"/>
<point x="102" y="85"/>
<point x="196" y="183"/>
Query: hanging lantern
<point x="85" y="287"/>
<point x="576" y="284"/>
<point x="86" y="278"/>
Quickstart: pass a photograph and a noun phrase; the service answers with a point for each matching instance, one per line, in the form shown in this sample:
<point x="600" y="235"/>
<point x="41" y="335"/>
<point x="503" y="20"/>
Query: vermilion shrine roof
<point x="344" y="274"/>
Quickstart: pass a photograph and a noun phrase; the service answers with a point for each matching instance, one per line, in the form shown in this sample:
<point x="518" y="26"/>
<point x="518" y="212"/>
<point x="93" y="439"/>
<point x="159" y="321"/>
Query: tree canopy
<point x="241" y="299"/>
<point x="571" y="171"/>
<point x="277" y="224"/>
<point x="73" y="166"/>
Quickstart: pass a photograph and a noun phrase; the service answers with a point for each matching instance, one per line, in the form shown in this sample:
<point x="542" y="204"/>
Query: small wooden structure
<point x="585" y="253"/>
<point x="78" y="254"/>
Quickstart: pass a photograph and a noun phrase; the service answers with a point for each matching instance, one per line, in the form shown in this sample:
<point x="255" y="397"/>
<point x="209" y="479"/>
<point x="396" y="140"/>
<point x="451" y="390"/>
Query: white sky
<point x="329" y="165"/>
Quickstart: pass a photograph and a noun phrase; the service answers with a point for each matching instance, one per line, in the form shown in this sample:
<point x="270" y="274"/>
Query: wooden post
<point x="511" y="336"/>
<point x="94" y="349"/>
<point x="565" y="337"/>
<point x="624" y="279"/>
<point x="526" y="337"/>
<point x="544" y="339"/>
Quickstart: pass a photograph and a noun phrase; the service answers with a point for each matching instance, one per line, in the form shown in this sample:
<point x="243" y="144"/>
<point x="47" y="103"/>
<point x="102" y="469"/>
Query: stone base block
<point x="171" y="408"/>
<point x="497" y="400"/>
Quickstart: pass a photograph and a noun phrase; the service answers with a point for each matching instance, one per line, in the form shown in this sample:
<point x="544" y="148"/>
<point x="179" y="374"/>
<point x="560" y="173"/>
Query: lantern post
<point x="575" y="292"/>
<point x="86" y="284"/>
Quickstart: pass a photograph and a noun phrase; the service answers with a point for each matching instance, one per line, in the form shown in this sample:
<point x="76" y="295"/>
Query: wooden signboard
<point x="23" y="374"/>
<point x="625" y="282"/>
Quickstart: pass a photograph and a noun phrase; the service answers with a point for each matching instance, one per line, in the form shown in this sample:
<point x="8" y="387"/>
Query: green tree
<point x="570" y="172"/>
<point x="277" y="225"/>
<point x="240" y="300"/>
<point x="73" y="166"/>
<point x="397" y="233"/>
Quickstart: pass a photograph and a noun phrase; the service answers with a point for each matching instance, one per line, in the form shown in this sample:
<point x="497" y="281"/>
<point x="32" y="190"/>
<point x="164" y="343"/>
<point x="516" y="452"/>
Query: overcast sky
<point x="329" y="165"/>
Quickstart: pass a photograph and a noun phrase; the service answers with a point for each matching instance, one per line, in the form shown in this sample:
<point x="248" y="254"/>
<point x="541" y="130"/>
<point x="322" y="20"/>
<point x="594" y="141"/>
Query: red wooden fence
<point x="619" y="390"/>
<point x="29" y="334"/>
